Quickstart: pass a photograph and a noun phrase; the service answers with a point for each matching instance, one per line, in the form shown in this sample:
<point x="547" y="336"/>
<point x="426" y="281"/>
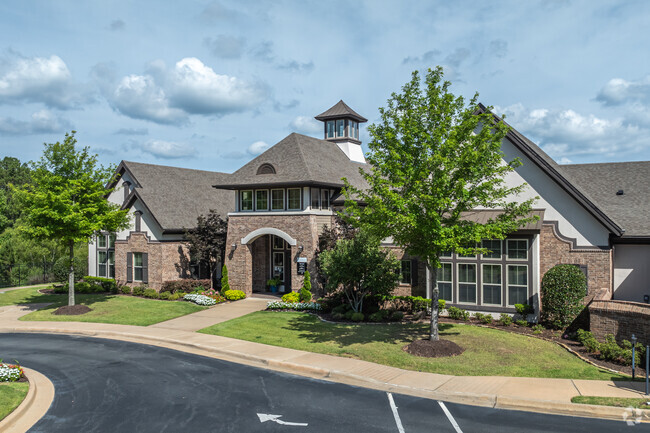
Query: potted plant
<point x="273" y="283"/>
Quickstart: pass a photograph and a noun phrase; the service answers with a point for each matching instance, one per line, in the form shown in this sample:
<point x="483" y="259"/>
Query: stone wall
<point x="555" y="250"/>
<point x="166" y="260"/>
<point x="621" y="319"/>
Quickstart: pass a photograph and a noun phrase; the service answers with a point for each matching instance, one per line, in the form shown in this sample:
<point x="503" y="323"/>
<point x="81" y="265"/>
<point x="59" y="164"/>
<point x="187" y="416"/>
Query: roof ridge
<point x="173" y="167"/>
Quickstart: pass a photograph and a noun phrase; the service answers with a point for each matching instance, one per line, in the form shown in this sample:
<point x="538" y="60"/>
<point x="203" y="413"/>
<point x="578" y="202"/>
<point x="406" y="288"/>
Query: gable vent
<point x="266" y="169"/>
<point x="620" y="192"/>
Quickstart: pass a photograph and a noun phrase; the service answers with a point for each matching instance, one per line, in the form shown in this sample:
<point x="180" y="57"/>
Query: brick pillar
<point x="240" y="269"/>
<point x="296" y="280"/>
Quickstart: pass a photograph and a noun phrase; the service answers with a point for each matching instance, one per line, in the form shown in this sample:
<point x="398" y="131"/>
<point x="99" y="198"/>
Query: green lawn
<point x="11" y="395"/>
<point x="26" y="296"/>
<point x="488" y="352"/>
<point x="613" y="401"/>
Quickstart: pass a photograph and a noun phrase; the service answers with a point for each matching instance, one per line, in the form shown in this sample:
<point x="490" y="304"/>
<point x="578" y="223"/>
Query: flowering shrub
<point x="10" y="372"/>
<point x="234" y="295"/>
<point x="200" y="299"/>
<point x="279" y="305"/>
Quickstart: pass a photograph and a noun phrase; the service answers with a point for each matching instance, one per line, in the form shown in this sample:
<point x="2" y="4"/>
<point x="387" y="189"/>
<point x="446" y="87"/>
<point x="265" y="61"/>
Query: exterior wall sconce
<point x="300" y="248"/>
<point x="233" y="247"/>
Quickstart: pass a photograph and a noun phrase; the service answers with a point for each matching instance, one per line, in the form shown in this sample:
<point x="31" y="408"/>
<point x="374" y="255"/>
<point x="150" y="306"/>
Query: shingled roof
<point x="602" y="182"/>
<point x="177" y="196"/>
<point x="340" y="109"/>
<point x="298" y="160"/>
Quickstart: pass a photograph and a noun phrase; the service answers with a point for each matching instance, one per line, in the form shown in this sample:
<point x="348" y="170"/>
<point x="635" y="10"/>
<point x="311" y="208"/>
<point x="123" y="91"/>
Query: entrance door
<point x="281" y="262"/>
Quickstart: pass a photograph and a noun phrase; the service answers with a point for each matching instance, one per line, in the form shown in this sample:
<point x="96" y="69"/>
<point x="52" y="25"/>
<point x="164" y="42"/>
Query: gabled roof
<point x="556" y="173"/>
<point x="298" y="160"/>
<point x="602" y="181"/>
<point x="177" y="196"/>
<point x="340" y="109"/>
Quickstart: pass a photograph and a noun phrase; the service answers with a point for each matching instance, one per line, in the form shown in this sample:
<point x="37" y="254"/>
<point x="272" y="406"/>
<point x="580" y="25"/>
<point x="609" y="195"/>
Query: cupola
<point x="341" y="125"/>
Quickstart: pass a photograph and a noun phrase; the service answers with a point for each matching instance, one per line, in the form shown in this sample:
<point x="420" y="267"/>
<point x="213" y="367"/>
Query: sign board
<point x="301" y="265"/>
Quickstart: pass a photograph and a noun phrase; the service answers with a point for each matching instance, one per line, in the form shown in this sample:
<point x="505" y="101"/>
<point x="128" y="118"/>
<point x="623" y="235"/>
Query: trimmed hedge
<point x="185" y="286"/>
<point x="563" y="288"/>
<point x="234" y="295"/>
<point x="108" y="284"/>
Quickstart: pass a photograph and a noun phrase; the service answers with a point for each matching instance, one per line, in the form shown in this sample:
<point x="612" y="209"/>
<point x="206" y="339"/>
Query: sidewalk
<point x="530" y="394"/>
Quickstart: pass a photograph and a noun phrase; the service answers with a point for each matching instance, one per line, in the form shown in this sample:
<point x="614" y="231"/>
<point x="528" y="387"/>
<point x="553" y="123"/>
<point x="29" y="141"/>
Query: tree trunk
<point x="71" y="276"/>
<point x="433" y="279"/>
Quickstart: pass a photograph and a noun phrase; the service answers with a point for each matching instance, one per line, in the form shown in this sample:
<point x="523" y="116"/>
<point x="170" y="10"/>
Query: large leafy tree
<point x="433" y="157"/>
<point x="66" y="200"/>
<point x="12" y="172"/>
<point x="207" y="241"/>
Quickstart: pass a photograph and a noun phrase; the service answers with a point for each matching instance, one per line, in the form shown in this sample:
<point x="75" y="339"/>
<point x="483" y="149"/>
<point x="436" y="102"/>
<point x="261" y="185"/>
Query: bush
<point x="483" y="318"/>
<point x="505" y="319"/>
<point x="186" y="285"/>
<point x="199" y="299"/>
<point x="306" y="282"/>
<point x="338" y="316"/>
<point x="173" y="296"/>
<point x="341" y="309"/>
<point x="348" y="314"/>
<point x="379" y="316"/>
<point x="524" y="310"/>
<point x="150" y="293"/>
<point x="225" y="285"/>
<point x="139" y="290"/>
<point x="357" y="317"/>
<point x="125" y="290"/>
<point x="305" y="295"/>
<point x="537" y="329"/>
<point x="234" y="295"/>
<point x="457" y="313"/>
<point x="291" y="297"/>
<point x="397" y="316"/>
<point x="562" y="291"/>
<point x="108" y="284"/>
<point x="165" y="296"/>
<point x="412" y="304"/>
<point x="299" y="306"/>
<point x="62" y="267"/>
<point x="521" y="322"/>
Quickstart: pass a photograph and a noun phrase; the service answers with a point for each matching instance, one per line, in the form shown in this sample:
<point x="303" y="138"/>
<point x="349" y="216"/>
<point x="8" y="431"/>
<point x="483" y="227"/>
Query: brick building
<point x="595" y="216"/>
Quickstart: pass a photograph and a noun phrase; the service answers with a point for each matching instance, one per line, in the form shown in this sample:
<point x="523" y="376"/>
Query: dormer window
<point x="354" y="129"/>
<point x="330" y="129"/>
<point x="266" y="169"/>
<point x="340" y="128"/>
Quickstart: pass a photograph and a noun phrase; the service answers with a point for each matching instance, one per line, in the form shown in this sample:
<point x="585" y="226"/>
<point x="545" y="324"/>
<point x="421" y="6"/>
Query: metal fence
<point x="26" y="274"/>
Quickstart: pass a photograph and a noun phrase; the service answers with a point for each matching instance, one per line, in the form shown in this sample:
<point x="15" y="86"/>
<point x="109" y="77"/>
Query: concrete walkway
<point x="531" y="394"/>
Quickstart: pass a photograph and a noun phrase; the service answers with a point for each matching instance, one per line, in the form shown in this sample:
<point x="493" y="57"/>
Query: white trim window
<point x="494" y="247"/>
<point x="445" y="281"/>
<point x="138" y="267"/>
<point x="340" y="128"/>
<point x="517" y="284"/>
<point x="102" y="263"/>
<point x="293" y="199"/>
<point x="277" y="199"/>
<point x="405" y="274"/>
<point x="466" y="283"/>
<point x="517" y="249"/>
<point x="315" y="198"/>
<point x="491" y="284"/>
<point x="330" y="129"/>
<point x="246" y="200"/>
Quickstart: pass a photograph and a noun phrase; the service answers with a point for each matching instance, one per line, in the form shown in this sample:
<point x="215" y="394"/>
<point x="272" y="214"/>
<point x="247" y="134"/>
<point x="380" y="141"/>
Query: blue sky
<point x="208" y="85"/>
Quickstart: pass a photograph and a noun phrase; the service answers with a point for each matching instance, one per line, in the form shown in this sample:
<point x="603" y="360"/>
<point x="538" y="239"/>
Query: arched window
<point x="266" y="169"/>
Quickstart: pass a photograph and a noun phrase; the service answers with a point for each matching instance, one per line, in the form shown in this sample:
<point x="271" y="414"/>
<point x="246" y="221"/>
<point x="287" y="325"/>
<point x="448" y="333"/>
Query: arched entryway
<point x="271" y="257"/>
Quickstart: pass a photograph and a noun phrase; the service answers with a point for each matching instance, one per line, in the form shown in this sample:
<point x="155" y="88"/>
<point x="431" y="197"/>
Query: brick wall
<point x="166" y="260"/>
<point x="621" y="319"/>
<point x="554" y="250"/>
<point x="260" y="263"/>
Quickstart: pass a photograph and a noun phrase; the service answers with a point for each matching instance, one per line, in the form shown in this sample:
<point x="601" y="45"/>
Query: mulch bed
<point x="433" y="349"/>
<point x="47" y="291"/>
<point x="74" y="310"/>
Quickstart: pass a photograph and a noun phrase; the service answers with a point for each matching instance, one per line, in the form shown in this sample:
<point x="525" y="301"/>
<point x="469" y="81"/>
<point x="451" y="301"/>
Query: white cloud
<point x="41" y="122"/>
<point x="306" y="125"/>
<point x="168" y="149"/>
<point x="139" y="97"/>
<point x="258" y="147"/>
<point x="619" y="91"/>
<point x="39" y="79"/>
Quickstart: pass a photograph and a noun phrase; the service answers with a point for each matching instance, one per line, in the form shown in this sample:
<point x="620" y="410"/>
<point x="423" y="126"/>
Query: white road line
<point x="451" y="418"/>
<point x="395" y="414"/>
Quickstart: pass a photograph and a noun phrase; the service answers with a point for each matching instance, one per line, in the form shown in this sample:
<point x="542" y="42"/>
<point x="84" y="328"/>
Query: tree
<point x="12" y="172"/>
<point x="66" y="200"/>
<point x="207" y="241"/>
<point x="340" y="229"/>
<point x="432" y="158"/>
<point x="563" y="289"/>
<point x="225" y="285"/>
<point x="360" y="267"/>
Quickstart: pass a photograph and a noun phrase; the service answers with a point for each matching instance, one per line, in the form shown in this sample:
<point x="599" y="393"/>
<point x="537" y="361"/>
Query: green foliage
<point x="348" y="314"/>
<point x="524" y="310"/>
<point x="125" y="290"/>
<point x="225" y="285"/>
<point x="537" y="329"/>
<point x="563" y="288"/>
<point x="306" y="282"/>
<point x="483" y="318"/>
<point x="185" y="285"/>
<point x="412" y="304"/>
<point x="522" y="322"/>
<point x="360" y="267"/>
<point x="150" y="293"/>
<point x="397" y="316"/>
<point x="12" y="173"/>
<point x="379" y="316"/>
<point x="291" y="297"/>
<point x="61" y="269"/>
<point x="67" y="199"/>
<point x="207" y="241"/>
<point x="505" y="319"/>
<point x="174" y="296"/>
<point x="108" y="284"/>
<point x="588" y="340"/>
<point x="305" y="295"/>
<point x="139" y="290"/>
<point x="357" y="317"/>
<point x="341" y="309"/>
<point x="234" y="295"/>
<point x="164" y="296"/>
<point x="457" y="313"/>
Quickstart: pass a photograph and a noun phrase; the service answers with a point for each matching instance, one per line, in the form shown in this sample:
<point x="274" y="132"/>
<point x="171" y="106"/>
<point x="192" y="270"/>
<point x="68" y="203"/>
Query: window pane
<point x="467" y="273"/>
<point x="467" y="283"/>
<point x="325" y="198"/>
<point x="294" y="198"/>
<point x="247" y="200"/>
<point x="492" y="284"/>
<point x="262" y="200"/>
<point x="445" y="254"/>
<point x="518" y="249"/>
<point x="137" y="259"/>
<point x="101" y="241"/>
<point x="340" y="128"/>
<point x="517" y="295"/>
<point x="111" y="264"/>
<point x="278" y="266"/>
<point x="406" y="272"/>
<point x="101" y="257"/>
<point x="352" y="125"/>
<point x="137" y="274"/>
<point x="444" y="291"/>
<point x="278" y="243"/>
<point x="111" y="241"/>
<point x="330" y="128"/>
<point x="277" y="199"/>
<point x="491" y="294"/>
<point x="444" y="272"/>
<point x="495" y="249"/>
<point x="492" y="274"/>
<point x="518" y="275"/>
<point x="101" y="261"/>
<point x="467" y="293"/>
<point x="315" y="202"/>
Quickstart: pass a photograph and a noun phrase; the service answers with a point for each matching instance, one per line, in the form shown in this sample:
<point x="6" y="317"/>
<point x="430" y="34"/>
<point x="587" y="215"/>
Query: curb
<point x="34" y="406"/>
<point x="485" y="400"/>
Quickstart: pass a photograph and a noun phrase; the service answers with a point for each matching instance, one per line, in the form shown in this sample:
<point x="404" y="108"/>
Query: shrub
<point x="234" y="295"/>
<point x="537" y="329"/>
<point x="562" y="291"/>
<point x="186" y="285"/>
<point x="521" y="322"/>
<point x="276" y="305"/>
<point x="225" y="285"/>
<point x="505" y="319"/>
<point x="412" y="304"/>
<point x="165" y="296"/>
<point x="62" y="267"/>
<point x="82" y="287"/>
<point x="291" y="297"/>
<point x="379" y="316"/>
<point x="306" y="282"/>
<point x="341" y="309"/>
<point x="150" y="293"/>
<point x="397" y="316"/>
<point x="139" y="290"/>
<point x="348" y="314"/>
<point x="305" y="295"/>
<point x="125" y="290"/>
<point x="457" y="313"/>
<point x="357" y="317"/>
<point x="173" y="296"/>
<point x="483" y="318"/>
<point x="524" y="310"/>
<point x="338" y="316"/>
<point x="199" y="299"/>
<point x="108" y="284"/>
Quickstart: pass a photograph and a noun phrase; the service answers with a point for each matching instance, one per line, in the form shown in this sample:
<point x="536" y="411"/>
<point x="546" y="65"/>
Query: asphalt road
<point x="112" y="386"/>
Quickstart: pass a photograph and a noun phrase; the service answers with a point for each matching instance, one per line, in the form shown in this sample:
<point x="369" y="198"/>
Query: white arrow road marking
<point x="398" y="421"/>
<point x="450" y="418"/>
<point x="264" y="417"/>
